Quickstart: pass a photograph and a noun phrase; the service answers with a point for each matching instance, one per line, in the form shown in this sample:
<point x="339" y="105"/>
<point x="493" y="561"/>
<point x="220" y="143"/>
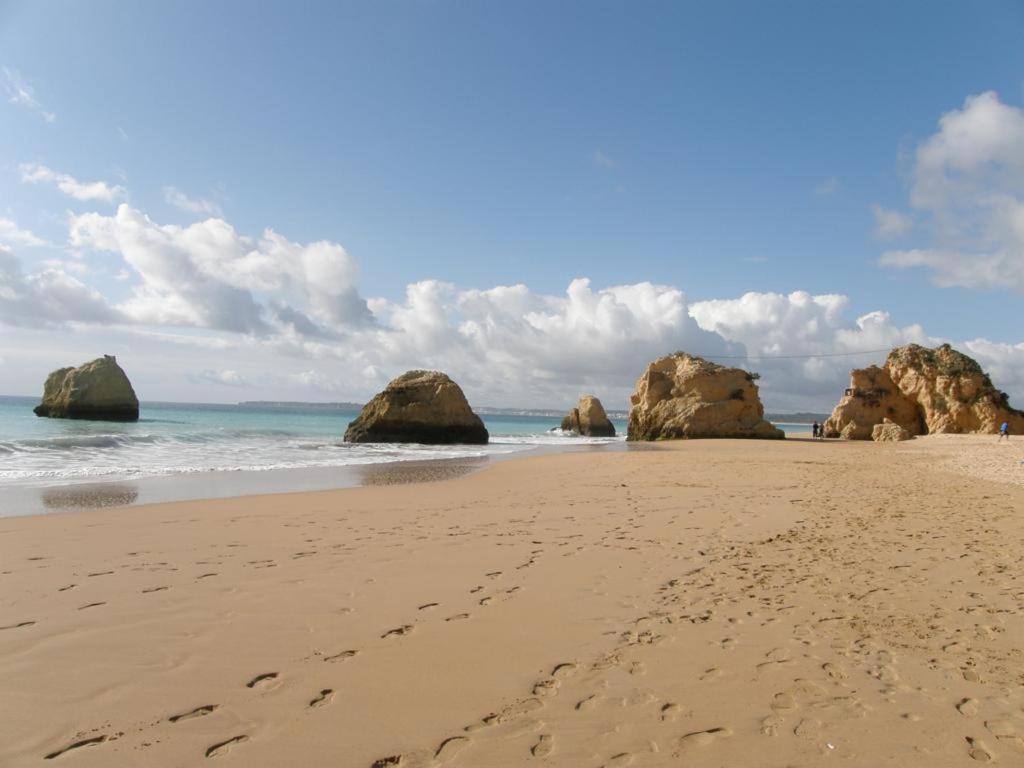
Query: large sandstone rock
<point x="889" y="432"/>
<point x="924" y="391"/>
<point x="96" y="390"/>
<point x="682" y="396"/>
<point x="588" y="418"/>
<point x="871" y="398"/>
<point x="418" y="407"/>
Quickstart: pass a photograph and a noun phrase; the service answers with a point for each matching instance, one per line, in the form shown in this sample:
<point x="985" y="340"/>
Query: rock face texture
<point x="888" y="432"/>
<point x="681" y="396"/>
<point x="588" y="418"/>
<point x="96" y="390"/>
<point x="418" y="407"/>
<point x="924" y="391"/>
<point x="871" y="398"/>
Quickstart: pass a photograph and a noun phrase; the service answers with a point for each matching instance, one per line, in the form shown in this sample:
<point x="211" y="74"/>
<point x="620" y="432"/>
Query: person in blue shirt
<point x="1004" y="430"/>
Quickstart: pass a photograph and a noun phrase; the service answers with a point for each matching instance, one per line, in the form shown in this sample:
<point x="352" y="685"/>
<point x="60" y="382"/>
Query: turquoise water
<point x="172" y="439"/>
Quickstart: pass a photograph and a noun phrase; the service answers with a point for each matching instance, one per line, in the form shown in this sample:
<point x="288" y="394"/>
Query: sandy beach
<point x="706" y="603"/>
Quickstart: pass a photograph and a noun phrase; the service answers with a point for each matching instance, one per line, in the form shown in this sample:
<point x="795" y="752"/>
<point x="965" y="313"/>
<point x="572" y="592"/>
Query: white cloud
<point x="207" y="275"/>
<point x="286" y="319"/>
<point x="200" y="205"/>
<point x="21" y="93"/>
<point x="890" y="224"/>
<point x="47" y="297"/>
<point x="968" y="186"/>
<point x="12" y="234"/>
<point x="33" y="173"/>
<point x="803" y="345"/>
<point x="600" y="158"/>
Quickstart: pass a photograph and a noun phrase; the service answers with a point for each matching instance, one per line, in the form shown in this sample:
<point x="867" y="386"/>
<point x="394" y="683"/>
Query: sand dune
<point x="714" y="603"/>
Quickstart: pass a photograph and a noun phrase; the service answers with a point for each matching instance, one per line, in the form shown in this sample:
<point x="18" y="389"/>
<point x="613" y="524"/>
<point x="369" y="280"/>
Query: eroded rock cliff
<point x="924" y="391"/>
<point x="589" y="418"/>
<point x="682" y="396"/>
<point x="99" y="389"/>
<point x="418" y="407"/>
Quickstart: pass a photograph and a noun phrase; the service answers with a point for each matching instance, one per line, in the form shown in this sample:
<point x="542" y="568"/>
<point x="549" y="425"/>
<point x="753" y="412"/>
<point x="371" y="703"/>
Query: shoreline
<point x="720" y="601"/>
<point x="70" y="497"/>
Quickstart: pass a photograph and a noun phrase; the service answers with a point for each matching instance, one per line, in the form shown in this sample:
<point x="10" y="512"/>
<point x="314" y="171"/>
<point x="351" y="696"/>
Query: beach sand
<point x="708" y="603"/>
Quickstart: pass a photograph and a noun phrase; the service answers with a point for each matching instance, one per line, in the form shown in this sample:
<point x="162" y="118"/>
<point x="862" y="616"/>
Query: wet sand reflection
<point x="94" y="496"/>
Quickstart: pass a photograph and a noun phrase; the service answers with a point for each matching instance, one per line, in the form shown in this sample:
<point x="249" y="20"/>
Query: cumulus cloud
<point x="968" y="186"/>
<point x="890" y="224"/>
<point x="12" y="234"/>
<point x="208" y="275"/>
<point x="34" y="173"/>
<point x="47" y="297"/>
<point x="199" y="205"/>
<point x="21" y="93"/>
<point x="803" y="345"/>
<point x="287" y="320"/>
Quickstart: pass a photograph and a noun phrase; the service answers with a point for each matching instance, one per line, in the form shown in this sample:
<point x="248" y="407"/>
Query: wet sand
<point x="711" y="603"/>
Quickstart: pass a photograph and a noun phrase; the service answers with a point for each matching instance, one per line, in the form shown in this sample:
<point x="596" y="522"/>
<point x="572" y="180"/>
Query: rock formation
<point x="871" y="398"/>
<point x="889" y="432"/>
<point x="681" y="396"/>
<point x="588" y="418"/>
<point x="96" y="390"/>
<point x="924" y="391"/>
<point x="418" y="407"/>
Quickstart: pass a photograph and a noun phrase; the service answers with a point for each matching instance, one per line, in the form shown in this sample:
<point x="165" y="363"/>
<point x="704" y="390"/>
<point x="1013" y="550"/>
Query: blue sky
<point x="719" y="148"/>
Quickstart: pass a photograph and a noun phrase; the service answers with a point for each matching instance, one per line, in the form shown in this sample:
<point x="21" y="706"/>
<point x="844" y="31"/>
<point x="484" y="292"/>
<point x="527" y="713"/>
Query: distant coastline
<point x="801" y="417"/>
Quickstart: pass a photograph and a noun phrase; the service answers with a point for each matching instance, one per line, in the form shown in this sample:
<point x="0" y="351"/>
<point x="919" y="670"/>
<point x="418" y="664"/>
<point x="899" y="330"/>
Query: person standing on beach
<point x="1004" y="431"/>
<point x="814" y="431"/>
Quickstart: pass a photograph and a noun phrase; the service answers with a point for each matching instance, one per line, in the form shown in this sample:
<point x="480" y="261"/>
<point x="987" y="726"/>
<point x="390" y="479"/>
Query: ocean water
<point x="201" y="445"/>
<point x="176" y="439"/>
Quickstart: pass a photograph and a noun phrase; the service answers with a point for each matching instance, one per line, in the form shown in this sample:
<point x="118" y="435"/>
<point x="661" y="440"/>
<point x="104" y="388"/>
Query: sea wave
<point x="90" y="452"/>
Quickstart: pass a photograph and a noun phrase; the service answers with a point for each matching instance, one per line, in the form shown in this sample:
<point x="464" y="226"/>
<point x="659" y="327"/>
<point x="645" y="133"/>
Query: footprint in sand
<point x="977" y="751"/>
<point x="325" y="697"/>
<point x="967" y="707"/>
<point x="428" y="606"/>
<point x="91" y="605"/>
<point x="202" y="711"/>
<point x="834" y="671"/>
<point x="340" y="656"/>
<point x="670" y="712"/>
<point x="546" y="687"/>
<point x="19" y="625"/>
<point x="563" y="670"/>
<point x="387" y="762"/>
<point x="451" y="747"/>
<point x="591" y="701"/>
<point x="1002" y="729"/>
<point x="147" y="590"/>
<point x="770" y="725"/>
<point x="77" y="745"/>
<point x="405" y="629"/>
<point x="621" y="759"/>
<point x="224" y="746"/>
<point x="262" y="682"/>
<point x="703" y="738"/>
<point x="458" y="617"/>
<point x="545" y="746"/>
<point x="783" y="701"/>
